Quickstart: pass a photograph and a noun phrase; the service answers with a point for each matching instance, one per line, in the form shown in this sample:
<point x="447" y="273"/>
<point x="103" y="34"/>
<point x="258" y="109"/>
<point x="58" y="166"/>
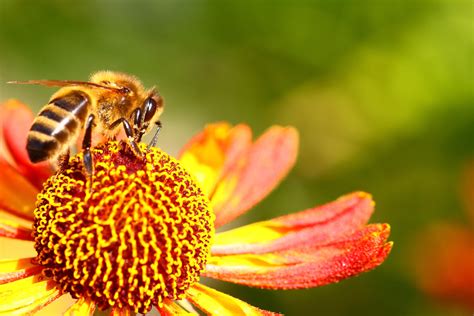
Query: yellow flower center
<point x="139" y="232"/>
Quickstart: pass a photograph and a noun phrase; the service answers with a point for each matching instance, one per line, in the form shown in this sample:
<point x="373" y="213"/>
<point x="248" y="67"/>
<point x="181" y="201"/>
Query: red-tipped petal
<point x="266" y="163"/>
<point x="82" y="307"/>
<point x="319" y="225"/>
<point x="15" y="122"/>
<point x="12" y="270"/>
<point x="14" y="230"/>
<point x="9" y="109"/>
<point x="235" y="173"/>
<point x="213" y="302"/>
<point x="17" y="195"/>
<point x="307" y="266"/>
<point x="27" y="296"/>
<point x="210" y="154"/>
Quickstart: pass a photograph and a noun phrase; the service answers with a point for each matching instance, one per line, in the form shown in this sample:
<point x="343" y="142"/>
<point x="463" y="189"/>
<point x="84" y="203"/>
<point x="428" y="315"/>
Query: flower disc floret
<point x="137" y="232"/>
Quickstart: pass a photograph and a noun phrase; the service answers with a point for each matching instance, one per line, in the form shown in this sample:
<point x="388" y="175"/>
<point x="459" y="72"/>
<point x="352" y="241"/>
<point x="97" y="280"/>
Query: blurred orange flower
<point x="167" y="242"/>
<point x="444" y="255"/>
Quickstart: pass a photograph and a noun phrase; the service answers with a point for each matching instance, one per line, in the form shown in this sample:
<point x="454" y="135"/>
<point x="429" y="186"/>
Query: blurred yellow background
<point x="381" y="92"/>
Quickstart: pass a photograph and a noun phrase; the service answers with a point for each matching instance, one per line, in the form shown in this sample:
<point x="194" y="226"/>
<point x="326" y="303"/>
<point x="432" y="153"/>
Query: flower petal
<point x="14" y="230"/>
<point x="171" y="308"/>
<point x="213" y="151"/>
<point x="266" y="163"/>
<point x="11" y="108"/>
<point x="235" y="173"/>
<point x="315" y="226"/>
<point x="15" y="269"/>
<point x="213" y="302"/>
<point x="306" y="266"/>
<point x="82" y="307"/>
<point x="27" y="296"/>
<point x="17" y="195"/>
<point x="15" y="122"/>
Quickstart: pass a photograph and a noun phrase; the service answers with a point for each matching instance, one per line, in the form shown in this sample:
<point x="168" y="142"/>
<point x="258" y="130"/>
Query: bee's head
<point x="128" y="85"/>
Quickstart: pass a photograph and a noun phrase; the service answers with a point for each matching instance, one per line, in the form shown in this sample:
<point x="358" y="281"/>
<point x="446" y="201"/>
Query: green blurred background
<point x="381" y="92"/>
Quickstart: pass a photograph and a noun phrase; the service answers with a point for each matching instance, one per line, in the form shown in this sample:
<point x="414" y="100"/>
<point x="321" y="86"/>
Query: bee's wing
<point x="64" y="83"/>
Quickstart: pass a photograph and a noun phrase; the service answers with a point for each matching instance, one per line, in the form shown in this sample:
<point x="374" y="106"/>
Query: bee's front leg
<point x="130" y="135"/>
<point x="86" y="145"/>
<point x="136" y="118"/>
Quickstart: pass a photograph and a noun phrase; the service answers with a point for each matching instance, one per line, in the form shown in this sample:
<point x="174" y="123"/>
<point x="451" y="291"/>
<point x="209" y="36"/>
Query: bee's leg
<point x="155" y="137"/>
<point x="136" y="116"/>
<point x="86" y="145"/>
<point x="148" y="112"/>
<point x="139" y="125"/>
<point x="129" y="132"/>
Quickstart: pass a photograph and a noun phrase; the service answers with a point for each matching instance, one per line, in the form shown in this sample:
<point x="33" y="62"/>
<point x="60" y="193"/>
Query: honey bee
<point x="106" y="102"/>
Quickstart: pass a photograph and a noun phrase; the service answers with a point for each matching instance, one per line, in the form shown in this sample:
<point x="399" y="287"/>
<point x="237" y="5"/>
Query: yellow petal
<point x="255" y="174"/>
<point x="253" y="263"/>
<point x="12" y="229"/>
<point x="304" y="266"/>
<point x="12" y="270"/>
<point x="234" y="172"/>
<point x="12" y="265"/>
<point x="215" y="149"/>
<point x="185" y="304"/>
<point x="171" y="308"/>
<point x="27" y="295"/>
<point x="213" y="302"/>
<point x="82" y="307"/>
<point x="259" y="232"/>
<point x="317" y="225"/>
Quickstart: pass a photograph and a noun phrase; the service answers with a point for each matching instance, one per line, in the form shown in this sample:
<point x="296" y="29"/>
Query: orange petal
<point x="209" y="154"/>
<point x="171" y="308"/>
<point x="315" y="226"/>
<point x="17" y="195"/>
<point x="82" y="307"/>
<point x="14" y="230"/>
<point x="8" y="110"/>
<point x="213" y="302"/>
<point x="12" y="270"/>
<point x="15" y="122"/>
<point x="235" y="173"/>
<point x="444" y="263"/>
<point x="27" y="296"/>
<point x="265" y="164"/>
<point x="306" y="266"/>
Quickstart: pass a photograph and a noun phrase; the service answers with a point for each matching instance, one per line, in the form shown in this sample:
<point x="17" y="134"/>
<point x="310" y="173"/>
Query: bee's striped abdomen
<point x="57" y="125"/>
